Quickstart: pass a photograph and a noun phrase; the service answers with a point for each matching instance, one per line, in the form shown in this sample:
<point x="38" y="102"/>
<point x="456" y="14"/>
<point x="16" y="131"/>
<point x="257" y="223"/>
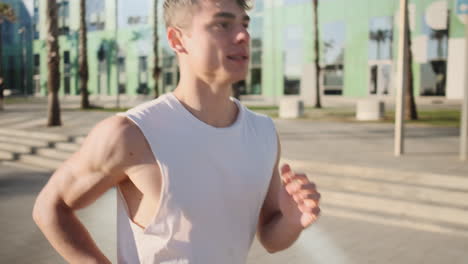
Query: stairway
<point x="431" y="202"/>
<point x="36" y="149"/>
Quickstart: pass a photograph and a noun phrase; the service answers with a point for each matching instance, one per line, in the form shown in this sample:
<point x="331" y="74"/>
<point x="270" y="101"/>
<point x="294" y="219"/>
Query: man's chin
<point x="237" y="77"/>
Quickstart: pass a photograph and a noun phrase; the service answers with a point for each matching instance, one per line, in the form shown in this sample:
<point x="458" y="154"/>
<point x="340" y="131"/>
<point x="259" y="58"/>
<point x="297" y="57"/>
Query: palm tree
<point x="411" y="112"/>
<point x="317" y="56"/>
<point x="156" y="68"/>
<point x="6" y="14"/>
<point x="439" y="35"/>
<point x="83" y="57"/>
<point x="380" y="36"/>
<point x="53" y="64"/>
<point x="327" y="46"/>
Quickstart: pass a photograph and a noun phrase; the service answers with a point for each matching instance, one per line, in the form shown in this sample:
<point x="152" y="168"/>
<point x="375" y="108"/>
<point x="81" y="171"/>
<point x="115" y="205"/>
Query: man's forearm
<point x="69" y="237"/>
<point x="278" y="234"/>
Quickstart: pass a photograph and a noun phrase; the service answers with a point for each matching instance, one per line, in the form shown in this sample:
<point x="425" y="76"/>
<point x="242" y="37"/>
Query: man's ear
<point x="174" y="36"/>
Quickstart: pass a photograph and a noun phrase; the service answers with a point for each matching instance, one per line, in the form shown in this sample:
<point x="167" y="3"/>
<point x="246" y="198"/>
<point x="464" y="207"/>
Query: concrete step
<point x="41" y="162"/>
<point x="29" y="124"/>
<point x="391" y="220"/>
<point x="437" y="202"/>
<point x="441" y="217"/>
<point x="53" y="153"/>
<point x="79" y="140"/>
<point x="16" y="148"/>
<point x="17" y="119"/>
<point x="23" y="166"/>
<point x="392" y="190"/>
<point x="7" y="155"/>
<point x="35" y="135"/>
<point x="69" y="147"/>
<point x="451" y="182"/>
<point x="25" y="141"/>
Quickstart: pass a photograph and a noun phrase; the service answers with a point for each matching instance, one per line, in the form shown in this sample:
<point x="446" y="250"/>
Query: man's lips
<point x="238" y="57"/>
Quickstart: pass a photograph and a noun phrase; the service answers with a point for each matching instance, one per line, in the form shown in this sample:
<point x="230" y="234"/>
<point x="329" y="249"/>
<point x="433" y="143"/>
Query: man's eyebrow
<point x="230" y="16"/>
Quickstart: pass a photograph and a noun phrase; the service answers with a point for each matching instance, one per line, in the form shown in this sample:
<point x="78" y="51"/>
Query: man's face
<point x="217" y="42"/>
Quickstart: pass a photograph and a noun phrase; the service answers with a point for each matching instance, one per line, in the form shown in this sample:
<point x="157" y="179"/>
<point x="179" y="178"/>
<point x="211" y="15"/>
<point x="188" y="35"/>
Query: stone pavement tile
<point x="411" y="246"/>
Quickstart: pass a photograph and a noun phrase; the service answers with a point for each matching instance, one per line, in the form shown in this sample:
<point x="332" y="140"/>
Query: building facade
<point x="358" y="48"/>
<point x="17" y="50"/>
<point x="119" y="46"/>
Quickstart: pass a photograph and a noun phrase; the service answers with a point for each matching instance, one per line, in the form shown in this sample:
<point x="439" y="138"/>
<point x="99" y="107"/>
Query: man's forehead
<point x="221" y="6"/>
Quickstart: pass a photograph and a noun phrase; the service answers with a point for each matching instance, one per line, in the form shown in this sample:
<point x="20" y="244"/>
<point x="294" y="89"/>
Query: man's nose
<point x="242" y="35"/>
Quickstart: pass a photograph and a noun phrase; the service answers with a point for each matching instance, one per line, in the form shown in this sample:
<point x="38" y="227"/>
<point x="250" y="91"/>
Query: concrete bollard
<point x="370" y="110"/>
<point x="291" y="108"/>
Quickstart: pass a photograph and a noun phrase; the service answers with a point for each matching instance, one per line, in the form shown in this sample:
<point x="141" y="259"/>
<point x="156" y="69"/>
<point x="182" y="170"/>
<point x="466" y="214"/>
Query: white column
<point x="402" y="80"/>
<point x="464" y="119"/>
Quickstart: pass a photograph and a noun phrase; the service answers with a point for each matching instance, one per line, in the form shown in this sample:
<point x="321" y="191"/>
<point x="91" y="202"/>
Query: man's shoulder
<point x="162" y="102"/>
<point x="116" y="134"/>
<point x="259" y="119"/>
<point x="117" y="126"/>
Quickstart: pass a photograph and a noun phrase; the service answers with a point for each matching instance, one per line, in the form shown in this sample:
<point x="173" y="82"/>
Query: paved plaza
<point x="341" y="148"/>
<point x="332" y="240"/>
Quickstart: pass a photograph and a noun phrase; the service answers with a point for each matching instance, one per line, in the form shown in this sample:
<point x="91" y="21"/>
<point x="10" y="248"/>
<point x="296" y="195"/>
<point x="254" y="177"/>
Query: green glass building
<point x="358" y="49"/>
<point x="17" y="50"/>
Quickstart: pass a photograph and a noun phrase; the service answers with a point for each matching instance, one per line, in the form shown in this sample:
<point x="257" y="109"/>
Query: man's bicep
<point x="77" y="184"/>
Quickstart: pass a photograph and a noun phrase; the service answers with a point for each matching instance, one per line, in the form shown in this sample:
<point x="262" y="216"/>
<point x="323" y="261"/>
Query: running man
<point x="196" y="172"/>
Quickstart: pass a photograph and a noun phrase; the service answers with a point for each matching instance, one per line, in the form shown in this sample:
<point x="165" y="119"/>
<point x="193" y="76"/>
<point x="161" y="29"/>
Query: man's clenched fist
<point x="298" y="198"/>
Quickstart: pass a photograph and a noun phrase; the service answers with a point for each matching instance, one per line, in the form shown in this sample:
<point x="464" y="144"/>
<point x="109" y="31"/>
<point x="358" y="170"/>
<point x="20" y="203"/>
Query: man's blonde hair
<point x="178" y="13"/>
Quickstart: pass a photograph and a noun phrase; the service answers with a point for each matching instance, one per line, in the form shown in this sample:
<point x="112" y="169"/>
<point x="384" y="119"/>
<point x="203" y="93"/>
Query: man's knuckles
<point x="310" y="195"/>
<point x="294" y="187"/>
<point x="309" y="209"/>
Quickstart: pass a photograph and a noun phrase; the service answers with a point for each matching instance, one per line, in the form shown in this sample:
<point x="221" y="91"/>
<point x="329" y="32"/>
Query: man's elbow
<point x="45" y="211"/>
<point x="270" y="246"/>
<point x="271" y="250"/>
<point x="39" y="212"/>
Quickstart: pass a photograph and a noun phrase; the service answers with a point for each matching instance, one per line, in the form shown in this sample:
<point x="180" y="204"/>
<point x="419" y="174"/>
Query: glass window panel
<point x="7" y="28"/>
<point x="293" y="57"/>
<point x="257" y="57"/>
<point x="380" y="38"/>
<point x="256" y="31"/>
<point x="256" y="81"/>
<point x="135" y="12"/>
<point x="258" y="6"/>
<point x="95" y="15"/>
<point x="333" y="43"/>
<point x="256" y="27"/>
<point x="437" y="47"/>
<point x="143" y="64"/>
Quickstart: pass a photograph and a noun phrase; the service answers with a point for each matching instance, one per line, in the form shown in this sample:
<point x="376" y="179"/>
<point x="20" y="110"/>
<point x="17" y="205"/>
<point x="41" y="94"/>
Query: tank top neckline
<point x="202" y="125"/>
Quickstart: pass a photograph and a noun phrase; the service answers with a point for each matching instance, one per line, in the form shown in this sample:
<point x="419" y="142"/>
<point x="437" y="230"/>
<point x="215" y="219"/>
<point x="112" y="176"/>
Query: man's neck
<point x="210" y="104"/>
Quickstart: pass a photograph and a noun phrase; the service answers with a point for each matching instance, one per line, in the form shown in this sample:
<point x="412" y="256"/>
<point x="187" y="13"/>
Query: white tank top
<point x="214" y="183"/>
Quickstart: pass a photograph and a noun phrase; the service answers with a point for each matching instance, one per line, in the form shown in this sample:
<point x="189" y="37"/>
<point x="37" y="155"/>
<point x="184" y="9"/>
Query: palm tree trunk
<point x="83" y="58"/>
<point x="317" y="56"/>
<point x="411" y="112"/>
<point x="156" y="69"/>
<point x="378" y="50"/>
<point x="53" y="64"/>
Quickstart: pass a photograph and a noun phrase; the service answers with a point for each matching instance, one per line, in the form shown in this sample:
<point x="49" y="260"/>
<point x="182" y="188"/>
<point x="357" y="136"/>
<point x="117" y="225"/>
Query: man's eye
<point x="223" y="25"/>
<point x="246" y="26"/>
